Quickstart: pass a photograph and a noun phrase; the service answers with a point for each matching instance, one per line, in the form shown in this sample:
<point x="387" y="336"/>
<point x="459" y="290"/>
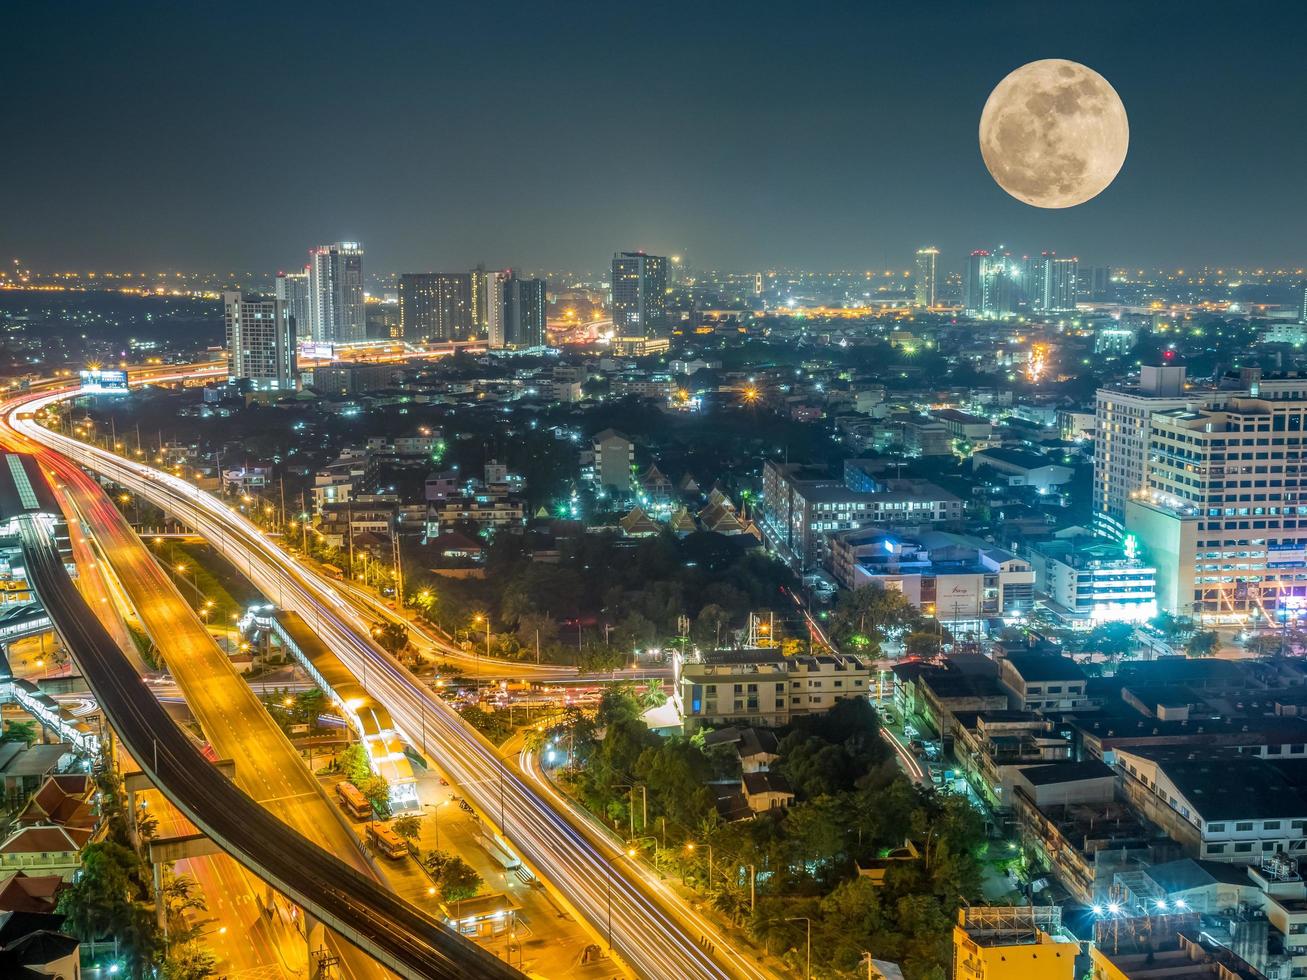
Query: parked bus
<point x="331" y="571"/>
<point x="354" y="802"/>
<point x="387" y="841"/>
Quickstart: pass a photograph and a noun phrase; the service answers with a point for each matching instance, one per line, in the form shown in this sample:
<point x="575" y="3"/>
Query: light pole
<point x="691" y="846"/>
<point x="631" y="852"/>
<point x="808" y="922"/>
<point x="478" y="618"/>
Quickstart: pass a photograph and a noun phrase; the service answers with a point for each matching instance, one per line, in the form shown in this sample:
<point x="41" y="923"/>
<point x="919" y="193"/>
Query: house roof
<point x="756" y="783"/>
<point x="1039" y="667"/>
<point x="21" y="892"/>
<point x="36" y="840"/>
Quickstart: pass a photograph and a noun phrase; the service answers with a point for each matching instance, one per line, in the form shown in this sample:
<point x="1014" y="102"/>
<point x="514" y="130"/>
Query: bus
<point x="387" y="841"/>
<point x="354" y="802"/>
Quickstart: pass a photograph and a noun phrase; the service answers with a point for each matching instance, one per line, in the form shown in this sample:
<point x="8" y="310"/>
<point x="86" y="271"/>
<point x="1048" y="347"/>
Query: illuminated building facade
<point x="1223" y="510"/>
<point x="1059" y="284"/>
<point x="1087" y="582"/>
<point x="292" y="288"/>
<point x="435" y="306"/>
<point x="260" y="342"/>
<point x="523" y="314"/>
<point x="639" y="289"/>
<point x="923" y="286"/>
<point x="991" y="284"/>
<point x="336" y="314"/>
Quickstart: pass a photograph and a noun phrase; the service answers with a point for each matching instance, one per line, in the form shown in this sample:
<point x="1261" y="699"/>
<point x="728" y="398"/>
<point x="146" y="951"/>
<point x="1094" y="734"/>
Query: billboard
<point x="97" y="380"/>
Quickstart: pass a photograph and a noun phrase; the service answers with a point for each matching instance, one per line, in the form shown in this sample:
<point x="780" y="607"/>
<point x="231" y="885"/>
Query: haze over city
<point x="668" y="492"/>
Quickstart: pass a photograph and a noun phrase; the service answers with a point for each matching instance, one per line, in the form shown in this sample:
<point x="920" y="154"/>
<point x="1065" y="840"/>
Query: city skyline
<point x="763" y="160"/>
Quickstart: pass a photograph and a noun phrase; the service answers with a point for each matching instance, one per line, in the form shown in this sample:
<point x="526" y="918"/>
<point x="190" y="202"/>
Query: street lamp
<point x="690" y="848"/>
<point x="804" y="919"/>
<point x="631" y="852"/>
<point x="478" y="619"/>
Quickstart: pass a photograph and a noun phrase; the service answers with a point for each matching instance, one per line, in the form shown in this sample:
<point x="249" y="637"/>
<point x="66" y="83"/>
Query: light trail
<point x="654" y="937"/>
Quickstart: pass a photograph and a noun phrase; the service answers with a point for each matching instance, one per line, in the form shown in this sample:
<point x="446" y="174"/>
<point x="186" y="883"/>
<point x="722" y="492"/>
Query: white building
<point x="336" y="313"/>
<point x="260" y="342"/>
<point x="1087" y="582"/>
<point x="1222" y="511"/>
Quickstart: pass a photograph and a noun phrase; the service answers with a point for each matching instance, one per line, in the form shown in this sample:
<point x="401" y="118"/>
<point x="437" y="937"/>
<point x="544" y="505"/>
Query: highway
<point x="343" y="898"/>
<point x="654" y="937"/>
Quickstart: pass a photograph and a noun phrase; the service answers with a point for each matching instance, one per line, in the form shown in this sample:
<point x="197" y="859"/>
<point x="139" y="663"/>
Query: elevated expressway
<point x="654" y="937"/>
<point x="269" y="771"/>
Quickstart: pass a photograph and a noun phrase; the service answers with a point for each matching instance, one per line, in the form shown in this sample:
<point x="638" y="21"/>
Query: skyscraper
<point x="639" y="286"/>
<point x="435" y="305"/>
<point x="923" y="287"/>
<point x="488" y="303"/>
<point x="1059" y="292"/>
<point x="292" y="289"/>
<point x="523" y="313"/>
<point x="990" y="283"/>
<point x="336" y="314"/>
<point x="260" y="342"/>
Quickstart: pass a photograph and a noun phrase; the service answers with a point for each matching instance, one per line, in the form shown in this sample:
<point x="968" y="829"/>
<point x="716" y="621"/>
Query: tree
<point x="455" y="878"/>
<point x="392" y="637"/>
<point x="921" y="644"/>
<point x="20" y="731"/>
<point x="1202" y="644"/>
<point x="408" y="826"/>
<point x="865" y="617"/>
<point x="1112" y="640"/>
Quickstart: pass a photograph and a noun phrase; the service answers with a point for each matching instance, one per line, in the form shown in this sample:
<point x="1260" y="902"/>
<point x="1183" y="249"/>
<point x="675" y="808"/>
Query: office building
<point x="292" y="288"/>
<point x="639" y="291"/>
<point x="1059" y="284"/>
<point x="1122" y="414"/>
<point x="523" y="313"/>
<point x="336" y="313"/>
<point x="959" y="580"/>
<point x="435" y="306"/>
<point x="1222" y="510"/>
<point x="923" y="287"/>
<point x="260" y="343"/>
<point x="801" y="516"/>
<point x="1087" y="581"/>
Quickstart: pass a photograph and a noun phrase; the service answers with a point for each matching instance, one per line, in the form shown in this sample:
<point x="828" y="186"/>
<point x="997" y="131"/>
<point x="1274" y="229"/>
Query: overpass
<point x="400" y="937"/>
<point x="652" y="930"/>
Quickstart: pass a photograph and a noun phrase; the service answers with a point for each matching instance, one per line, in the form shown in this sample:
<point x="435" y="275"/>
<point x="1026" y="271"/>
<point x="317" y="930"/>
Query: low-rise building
<point x="1043" y="682"/>
<point x="1084" y="582"/>
<point x="1025" y="942"/>
<point x="961" y="581"/>
<point x="1220" y="806"/>
<point x="1019" y="468"/>
<point x="761" y="686"/>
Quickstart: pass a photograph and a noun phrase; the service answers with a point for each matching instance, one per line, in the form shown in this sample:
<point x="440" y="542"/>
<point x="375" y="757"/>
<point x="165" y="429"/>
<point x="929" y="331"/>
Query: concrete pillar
<point x="315" y="936"/>
<point x="160" y="906"/>
<point x="131" y="816"/>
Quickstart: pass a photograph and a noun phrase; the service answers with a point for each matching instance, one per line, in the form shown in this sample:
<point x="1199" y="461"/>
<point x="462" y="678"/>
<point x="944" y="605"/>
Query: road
<point x="345" y="899"/>
<point x="231" y="716"/>
<point x="648" y="934"/>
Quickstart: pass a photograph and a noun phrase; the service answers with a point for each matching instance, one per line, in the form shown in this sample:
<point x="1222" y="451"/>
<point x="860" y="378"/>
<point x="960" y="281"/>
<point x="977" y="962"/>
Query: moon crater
<point x="1054" y="133"/>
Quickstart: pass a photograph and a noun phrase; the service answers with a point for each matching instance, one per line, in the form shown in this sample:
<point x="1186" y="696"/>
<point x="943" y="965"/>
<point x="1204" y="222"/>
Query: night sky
<point x="216" y="136"/>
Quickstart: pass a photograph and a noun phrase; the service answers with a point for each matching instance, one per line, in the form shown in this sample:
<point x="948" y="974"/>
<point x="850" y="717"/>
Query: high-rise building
<point x="1302" y="312"/>
<point x="336" y="313"/>
<point x="292" y="288"/>
<point x="1059" y="285"/>
<point x="1122" y="424"/>
<point x="435" y="306"/>
<point x="924" y="284"/>
<point x="260" y="342"/>
<point x="639" y="285"/>
<point x="1034" y="274"/>
<point x="1222" y="513"/>
<point x="488" y="303"/>
<point x="523" y="313"/>
<point x="990" y="283"/>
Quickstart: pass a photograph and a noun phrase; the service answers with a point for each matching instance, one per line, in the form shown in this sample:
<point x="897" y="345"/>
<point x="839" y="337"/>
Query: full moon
<point x="1054" y="133"/>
